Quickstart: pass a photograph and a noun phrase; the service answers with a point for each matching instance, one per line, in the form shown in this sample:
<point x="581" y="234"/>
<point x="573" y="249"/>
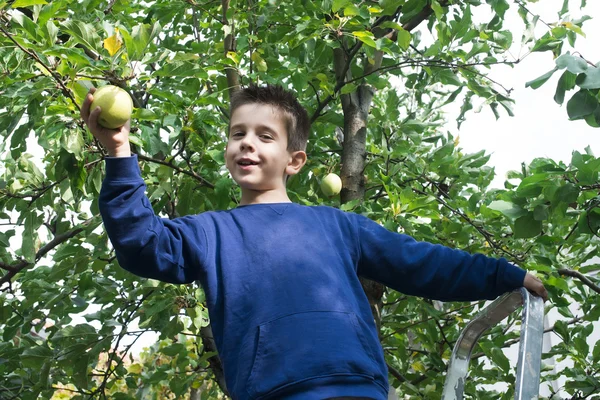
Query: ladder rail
<point x="530" y="347"/>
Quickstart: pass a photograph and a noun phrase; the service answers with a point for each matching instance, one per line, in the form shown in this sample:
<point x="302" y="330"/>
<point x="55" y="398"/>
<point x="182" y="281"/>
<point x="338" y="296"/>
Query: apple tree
<point x="376" y="77"/>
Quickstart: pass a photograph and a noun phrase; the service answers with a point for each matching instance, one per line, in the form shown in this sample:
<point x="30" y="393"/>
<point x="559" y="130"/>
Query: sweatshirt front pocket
<point x="299" y="347"/>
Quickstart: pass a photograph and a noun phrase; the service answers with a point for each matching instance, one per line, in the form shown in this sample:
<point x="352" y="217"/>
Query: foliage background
<point x="399" y="160"/>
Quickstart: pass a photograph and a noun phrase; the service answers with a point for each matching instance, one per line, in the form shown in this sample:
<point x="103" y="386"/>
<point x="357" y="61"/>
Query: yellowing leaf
<point x="261" y="64"/>
<point x="233" y="56"/>
<point x="42" y="69"/>
<point x="418" y="366"/>
<point x="27" y="3"/>
<point x="572" y="27"/>
<point x="135" y="369"/>
<point x="113" y="43"/>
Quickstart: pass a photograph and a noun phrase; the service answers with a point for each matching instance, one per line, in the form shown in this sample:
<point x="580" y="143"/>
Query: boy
<point x="288" y="313"/>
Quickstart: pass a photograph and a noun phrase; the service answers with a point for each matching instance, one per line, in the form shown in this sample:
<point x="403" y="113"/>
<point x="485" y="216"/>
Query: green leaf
<point x="590" y="79"/>
<point x="351" y="11"/>
<point x="144" y="114"/>
<point x="539" y="81"/>
<point x="84" y="34"/>
<point x="173" y="349"/>
<point x="447" y="77"/>
<point x="27" y="24"/>
<point x="404" y="38"/>
<point x="437" y="9"/>
<point x="499" y="6"/>
<point x="547" y="43"/>
<point x="80" y="371"/>
<point x="561" y="284"/>
<point x="507" y="208"/>
<point x="596" y="353"/>
<point x="575" y="65"/>
<point x="183" y="69"/>
<point x="222" y="190"/>
<point x="541" y="213"/>
<point x="35" y="356"/>
<point x="339" y="4"/>
<point x="348" y="88"/>
<point x="533" y="185"/>
<point x="29" y="237"/>
<point x="588" y="223"/>
<point x="567" y="193"/>
<point x="527" y="227"/>
<point x="84" y="332"/>
<point x="478" y="48"/>
<point x="582" y="103"/>
<point x="566" y="82"/>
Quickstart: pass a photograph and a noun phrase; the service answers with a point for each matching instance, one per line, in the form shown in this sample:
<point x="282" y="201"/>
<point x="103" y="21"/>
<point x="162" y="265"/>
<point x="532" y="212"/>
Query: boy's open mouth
<point x="246" y="163"/>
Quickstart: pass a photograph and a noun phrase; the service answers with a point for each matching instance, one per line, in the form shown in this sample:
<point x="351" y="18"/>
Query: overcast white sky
<point x="540" y="127"/>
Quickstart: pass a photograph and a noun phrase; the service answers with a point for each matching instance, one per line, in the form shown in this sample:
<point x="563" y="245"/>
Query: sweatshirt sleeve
<point x="146" y="245"/>
<point x="429" y="270"/>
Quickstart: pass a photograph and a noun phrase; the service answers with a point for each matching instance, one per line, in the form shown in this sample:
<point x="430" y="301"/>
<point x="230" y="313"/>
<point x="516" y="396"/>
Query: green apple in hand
<point x="115" y="104"/>
<point x="331" y="185"/>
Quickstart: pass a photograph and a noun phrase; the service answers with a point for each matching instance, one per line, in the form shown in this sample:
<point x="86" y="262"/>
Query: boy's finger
<point x="85" y="107"/>
<point x="92" y="121"/>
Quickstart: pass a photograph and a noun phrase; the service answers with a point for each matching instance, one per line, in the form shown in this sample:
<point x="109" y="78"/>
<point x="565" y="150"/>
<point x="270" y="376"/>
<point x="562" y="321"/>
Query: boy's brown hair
<point x="295" y="116"/>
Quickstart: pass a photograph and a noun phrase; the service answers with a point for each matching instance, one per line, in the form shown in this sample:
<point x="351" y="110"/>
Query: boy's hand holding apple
<point x="107" y="115"/>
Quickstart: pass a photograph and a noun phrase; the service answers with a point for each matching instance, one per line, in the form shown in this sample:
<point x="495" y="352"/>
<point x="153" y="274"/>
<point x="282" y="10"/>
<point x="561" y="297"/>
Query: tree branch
<point x="488" y="237"/>
<point x="581" y="277"/>
<point x="194" y="175"/>
<point x="21" y="265"/>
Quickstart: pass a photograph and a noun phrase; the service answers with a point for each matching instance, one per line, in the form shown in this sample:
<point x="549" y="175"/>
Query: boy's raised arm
<point x="435" y="271"/>
<point x="145" y="244"/>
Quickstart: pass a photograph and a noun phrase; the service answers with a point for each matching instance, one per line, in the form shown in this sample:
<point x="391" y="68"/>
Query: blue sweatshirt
<point x="288" y="313"/>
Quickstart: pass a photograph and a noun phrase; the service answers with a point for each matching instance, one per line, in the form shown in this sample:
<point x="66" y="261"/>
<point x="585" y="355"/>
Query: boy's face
<point x="256" y="153"/>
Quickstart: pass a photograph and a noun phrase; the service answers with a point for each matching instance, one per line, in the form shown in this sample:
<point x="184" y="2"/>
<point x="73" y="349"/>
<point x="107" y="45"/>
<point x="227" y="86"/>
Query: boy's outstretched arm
<point x="145" y="244"/>
<point x="435" y="271"/>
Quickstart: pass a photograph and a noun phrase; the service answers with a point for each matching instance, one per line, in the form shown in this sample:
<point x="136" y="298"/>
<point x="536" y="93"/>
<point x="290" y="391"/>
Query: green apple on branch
<point x="331" y="185"/>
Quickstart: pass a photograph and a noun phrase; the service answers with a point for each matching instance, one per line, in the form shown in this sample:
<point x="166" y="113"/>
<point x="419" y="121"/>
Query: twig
<point x="178" y="169"/>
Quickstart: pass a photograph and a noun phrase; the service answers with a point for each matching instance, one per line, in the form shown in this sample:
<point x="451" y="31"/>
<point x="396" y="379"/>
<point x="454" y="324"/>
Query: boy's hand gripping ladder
<point x="530" y="347"/>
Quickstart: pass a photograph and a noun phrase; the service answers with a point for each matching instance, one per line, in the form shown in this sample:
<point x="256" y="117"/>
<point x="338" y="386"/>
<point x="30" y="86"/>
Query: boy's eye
<point x="238" y="134"/>
<point x="269" y="137"/>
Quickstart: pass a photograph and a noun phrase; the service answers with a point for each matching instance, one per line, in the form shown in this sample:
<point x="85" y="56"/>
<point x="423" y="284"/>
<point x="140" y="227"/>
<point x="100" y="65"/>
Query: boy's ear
<point x="296" y="162"/>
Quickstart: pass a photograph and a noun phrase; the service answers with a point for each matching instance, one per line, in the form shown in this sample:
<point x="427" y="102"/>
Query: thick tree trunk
<point x="353" y="155"/>
<point x="356" y="111"/>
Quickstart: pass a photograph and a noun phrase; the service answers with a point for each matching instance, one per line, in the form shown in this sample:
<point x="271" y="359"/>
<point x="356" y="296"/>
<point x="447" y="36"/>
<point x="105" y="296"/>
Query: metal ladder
<point x="530" y="348"/>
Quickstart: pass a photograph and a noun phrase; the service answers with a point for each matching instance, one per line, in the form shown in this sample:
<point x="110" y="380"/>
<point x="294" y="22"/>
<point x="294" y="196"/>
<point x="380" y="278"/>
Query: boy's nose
<point x="247" y="142"/>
